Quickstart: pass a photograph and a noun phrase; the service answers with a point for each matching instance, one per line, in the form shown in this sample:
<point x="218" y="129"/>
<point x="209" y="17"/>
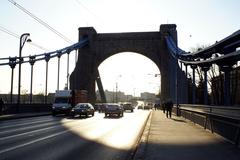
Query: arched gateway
<point x="150" y="44"/>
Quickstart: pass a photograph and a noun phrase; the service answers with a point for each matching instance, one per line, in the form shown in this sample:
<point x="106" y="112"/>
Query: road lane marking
<point x="31" y="142"/>
<point x="43" y="138"/>
<point x="102" y="138"/>
<point x="24" y="120"/>
<point x="109" y="132"/>
<point x="19" y="129"/>
<point x="40" y="125"/>
<point x="61" y="124"/>
<point x="22" y="124"/>
<point x="25" y="133"/>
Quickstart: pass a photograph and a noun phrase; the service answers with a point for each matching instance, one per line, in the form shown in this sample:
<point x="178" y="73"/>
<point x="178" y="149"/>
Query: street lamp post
<point x="68" y="69"/>
<point x="31" y="61"/>
<point x="116" y="92"/>
<point x="23" y="39"/>
<point x="12" y="63"/>
<point x="59" y="56"/>
<point x="119" y="76"/>
<point x="47" y="58"/>
<point x="157" y="75"/>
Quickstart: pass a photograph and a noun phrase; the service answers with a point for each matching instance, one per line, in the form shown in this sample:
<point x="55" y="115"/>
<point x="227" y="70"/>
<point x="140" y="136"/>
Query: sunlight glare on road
<point x="120" y="133"/>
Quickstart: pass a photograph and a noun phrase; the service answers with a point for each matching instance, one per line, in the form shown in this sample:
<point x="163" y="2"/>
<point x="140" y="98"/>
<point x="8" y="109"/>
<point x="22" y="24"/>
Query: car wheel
<point x="105" y="114"/>
<point x="93" y="114"/>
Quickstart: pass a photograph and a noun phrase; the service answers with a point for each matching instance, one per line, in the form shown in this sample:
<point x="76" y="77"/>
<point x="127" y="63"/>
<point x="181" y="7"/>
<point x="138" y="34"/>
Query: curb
<point x="143" y="140"/>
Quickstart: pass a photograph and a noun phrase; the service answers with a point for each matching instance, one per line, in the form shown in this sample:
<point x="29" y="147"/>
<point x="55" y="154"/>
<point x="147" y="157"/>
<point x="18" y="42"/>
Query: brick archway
<point x="150" y="44"/>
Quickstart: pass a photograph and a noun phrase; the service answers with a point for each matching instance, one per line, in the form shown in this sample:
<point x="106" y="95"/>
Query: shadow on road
<point x="64" y="144"/>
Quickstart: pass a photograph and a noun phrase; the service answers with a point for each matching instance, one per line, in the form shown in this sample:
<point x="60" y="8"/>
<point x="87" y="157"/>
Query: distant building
<point x="148" y="97"/>
<point x="114" y="96"/>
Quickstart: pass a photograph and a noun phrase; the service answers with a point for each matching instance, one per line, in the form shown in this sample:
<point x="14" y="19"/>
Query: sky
<point x="198" y="23"/>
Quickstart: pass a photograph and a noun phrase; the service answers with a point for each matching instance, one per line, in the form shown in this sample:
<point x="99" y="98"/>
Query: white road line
<point x="22" y="124"/>
<point x="31" y="142"/>
<point x="42" y="129"/>
<point x="27" y="119"/>
<point x="70" y="129"/>
<point x="21" y="134"/>
<point x="43" y="138"/>
<point x="20" y="129"/>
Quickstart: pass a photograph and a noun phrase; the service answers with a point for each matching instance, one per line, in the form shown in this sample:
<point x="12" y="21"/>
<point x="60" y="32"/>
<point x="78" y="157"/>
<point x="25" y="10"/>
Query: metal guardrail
<point x="229" y="116"/>
<point x="26" y="108"/>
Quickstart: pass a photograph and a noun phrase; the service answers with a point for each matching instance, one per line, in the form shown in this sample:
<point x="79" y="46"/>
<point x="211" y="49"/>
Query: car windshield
<point x="62" y="100"/>
<point x="82" y="106"/>
<point x="112" y="106"/>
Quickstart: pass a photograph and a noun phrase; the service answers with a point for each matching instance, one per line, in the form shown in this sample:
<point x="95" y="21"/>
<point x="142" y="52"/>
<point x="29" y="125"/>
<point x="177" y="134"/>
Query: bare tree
<point x="212" y="74"/>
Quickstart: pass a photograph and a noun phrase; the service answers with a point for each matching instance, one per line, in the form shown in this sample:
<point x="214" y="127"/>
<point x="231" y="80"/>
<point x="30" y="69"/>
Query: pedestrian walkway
<point x="177" y="138"/>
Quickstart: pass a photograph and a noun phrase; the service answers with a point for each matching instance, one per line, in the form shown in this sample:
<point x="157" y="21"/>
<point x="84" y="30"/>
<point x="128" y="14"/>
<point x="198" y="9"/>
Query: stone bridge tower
<point x="150" y="44"/>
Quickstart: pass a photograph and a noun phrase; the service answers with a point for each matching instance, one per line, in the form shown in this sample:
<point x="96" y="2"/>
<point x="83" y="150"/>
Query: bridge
<point x="150" y="44"/>
<point x="162" y="48"/>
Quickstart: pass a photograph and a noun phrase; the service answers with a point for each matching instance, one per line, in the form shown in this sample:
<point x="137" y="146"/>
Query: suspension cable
<point x="41" y="21"/>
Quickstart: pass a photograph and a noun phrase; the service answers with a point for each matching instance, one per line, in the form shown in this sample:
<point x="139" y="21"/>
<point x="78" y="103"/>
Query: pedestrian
<point x="1" y="106"/>
<point x="169" y="106"/>
<point x="155" y="106"/>
<point x="164" y="106"/>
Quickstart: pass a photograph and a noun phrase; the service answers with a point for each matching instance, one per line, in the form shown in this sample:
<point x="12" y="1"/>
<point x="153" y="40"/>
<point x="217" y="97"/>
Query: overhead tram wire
<point x="9" y="32"/>
<point x="41" y="21"/>
<point x="81" y="4"/>
<point x="18" y="37"/>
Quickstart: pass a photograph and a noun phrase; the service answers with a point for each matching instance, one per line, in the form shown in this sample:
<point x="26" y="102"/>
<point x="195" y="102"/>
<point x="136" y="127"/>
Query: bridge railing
<point x="225" y="121"/>
<point x="12" y="108"/>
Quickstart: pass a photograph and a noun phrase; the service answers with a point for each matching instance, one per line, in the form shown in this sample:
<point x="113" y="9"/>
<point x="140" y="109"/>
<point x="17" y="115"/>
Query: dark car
<point x="140" y="107"/>
<point x="113" y="109"/>
<point x="82" y="109"/>
<point x="128" y="106"/>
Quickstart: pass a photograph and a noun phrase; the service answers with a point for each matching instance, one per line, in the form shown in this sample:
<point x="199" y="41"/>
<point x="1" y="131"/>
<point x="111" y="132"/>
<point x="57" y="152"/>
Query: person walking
<point x="155" y="106"/>
<point x="164" y="106"/>
<point x="169" y="106"/>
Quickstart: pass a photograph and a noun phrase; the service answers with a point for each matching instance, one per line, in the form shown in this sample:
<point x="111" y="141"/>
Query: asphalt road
<point x="61" y="138"/>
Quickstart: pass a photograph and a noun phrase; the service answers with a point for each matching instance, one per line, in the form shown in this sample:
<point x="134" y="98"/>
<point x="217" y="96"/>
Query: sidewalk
<point x="177" y="138"/>
<point x="22" y="115"/>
